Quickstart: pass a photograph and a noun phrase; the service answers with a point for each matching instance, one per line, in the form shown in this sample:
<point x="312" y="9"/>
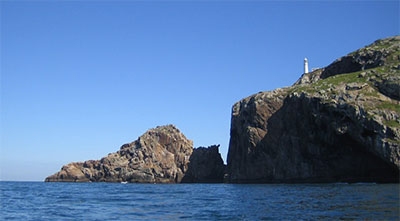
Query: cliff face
<point x="340" y="123"/>
<point x="206" y="166"/>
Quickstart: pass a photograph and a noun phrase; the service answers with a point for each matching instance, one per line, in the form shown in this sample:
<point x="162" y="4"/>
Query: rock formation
<point x="339" y="123"/>
<point x="206" y="166"/>
<point x="336" y="124"/>
<point x="160" y="155"/>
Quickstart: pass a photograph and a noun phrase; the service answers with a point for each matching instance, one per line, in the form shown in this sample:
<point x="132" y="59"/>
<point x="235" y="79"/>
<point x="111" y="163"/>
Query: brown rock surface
<point x="161" y="155"/>
<point x="339" y="123"/>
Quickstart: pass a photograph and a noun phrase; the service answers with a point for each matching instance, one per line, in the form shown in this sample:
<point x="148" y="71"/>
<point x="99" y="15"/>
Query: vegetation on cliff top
<point x="366" y="88"/>
<point x="340" y="123"/>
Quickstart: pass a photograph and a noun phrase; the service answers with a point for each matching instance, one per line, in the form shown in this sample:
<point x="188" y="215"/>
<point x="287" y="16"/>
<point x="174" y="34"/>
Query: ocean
<point x="116" y="201"/>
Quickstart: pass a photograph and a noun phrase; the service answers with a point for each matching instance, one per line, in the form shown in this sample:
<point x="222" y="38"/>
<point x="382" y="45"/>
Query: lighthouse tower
<point x="305" y="65"/>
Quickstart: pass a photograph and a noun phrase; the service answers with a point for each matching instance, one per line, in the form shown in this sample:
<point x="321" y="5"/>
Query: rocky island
<point x="340" y="123"/>
<point x="336" y="124"/>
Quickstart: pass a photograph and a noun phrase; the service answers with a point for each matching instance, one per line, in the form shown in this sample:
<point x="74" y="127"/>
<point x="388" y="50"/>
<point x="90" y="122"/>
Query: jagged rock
<point x="206" y="166"/>
<point x="334" y="124"/>
<point x="161" y="155"/>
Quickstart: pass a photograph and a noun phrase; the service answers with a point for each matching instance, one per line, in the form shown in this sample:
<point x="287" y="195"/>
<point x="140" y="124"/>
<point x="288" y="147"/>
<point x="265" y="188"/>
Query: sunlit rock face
<point x="160" y="155"/>
<point x="336" y="124"/>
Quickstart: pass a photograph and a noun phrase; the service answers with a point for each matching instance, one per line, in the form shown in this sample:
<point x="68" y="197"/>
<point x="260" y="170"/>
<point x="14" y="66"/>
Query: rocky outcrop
<point x="382" y="52"/>
<point x="206" y="166"/>
<point x="161" y="155"/>
<point x="339" y="123"/>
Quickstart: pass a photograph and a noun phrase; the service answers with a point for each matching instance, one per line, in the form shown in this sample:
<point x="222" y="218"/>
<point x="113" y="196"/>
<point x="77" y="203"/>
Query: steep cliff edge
<point x="340" y="123"/>
<point x="160" y="155"/>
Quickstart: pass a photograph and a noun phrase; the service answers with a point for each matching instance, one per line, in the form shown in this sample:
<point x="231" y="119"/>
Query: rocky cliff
<point x="336" y="124"/>
<point x="160" y="155"/>
<point x="206" y="166"/>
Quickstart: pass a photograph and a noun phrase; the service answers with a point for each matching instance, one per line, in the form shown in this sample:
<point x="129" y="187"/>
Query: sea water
<point x="116" y="201"/>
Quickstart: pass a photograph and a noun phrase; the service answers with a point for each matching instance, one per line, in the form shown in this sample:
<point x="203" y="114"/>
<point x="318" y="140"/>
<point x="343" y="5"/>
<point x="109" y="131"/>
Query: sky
<point x="81" y="78"/>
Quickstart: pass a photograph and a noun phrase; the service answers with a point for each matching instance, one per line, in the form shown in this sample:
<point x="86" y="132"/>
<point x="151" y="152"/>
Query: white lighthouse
<point x="305" y="65"/>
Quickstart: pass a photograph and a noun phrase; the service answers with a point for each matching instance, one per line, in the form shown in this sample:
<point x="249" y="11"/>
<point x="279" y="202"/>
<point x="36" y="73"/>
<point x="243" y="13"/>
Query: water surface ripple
<point x="114" y="201"/>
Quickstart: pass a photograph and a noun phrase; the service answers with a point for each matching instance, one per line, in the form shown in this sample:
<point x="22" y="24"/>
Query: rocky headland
<point x="340" y="123"/>
<point x="161" y="155"/>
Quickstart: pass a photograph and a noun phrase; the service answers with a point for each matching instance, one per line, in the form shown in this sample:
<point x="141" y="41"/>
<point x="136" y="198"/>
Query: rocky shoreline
<point x="340" y="123"/>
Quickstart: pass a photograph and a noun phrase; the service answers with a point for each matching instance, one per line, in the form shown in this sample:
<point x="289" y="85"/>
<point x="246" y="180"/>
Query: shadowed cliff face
<point x="338" y="124"/>
<point x="206" y="166"/>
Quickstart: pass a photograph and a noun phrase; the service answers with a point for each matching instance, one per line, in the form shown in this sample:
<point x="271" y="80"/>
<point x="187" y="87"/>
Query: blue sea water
<point x="115" y="201"/>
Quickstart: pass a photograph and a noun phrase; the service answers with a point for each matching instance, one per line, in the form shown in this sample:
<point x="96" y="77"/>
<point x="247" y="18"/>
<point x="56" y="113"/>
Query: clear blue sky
<point x="81" y="78"/>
